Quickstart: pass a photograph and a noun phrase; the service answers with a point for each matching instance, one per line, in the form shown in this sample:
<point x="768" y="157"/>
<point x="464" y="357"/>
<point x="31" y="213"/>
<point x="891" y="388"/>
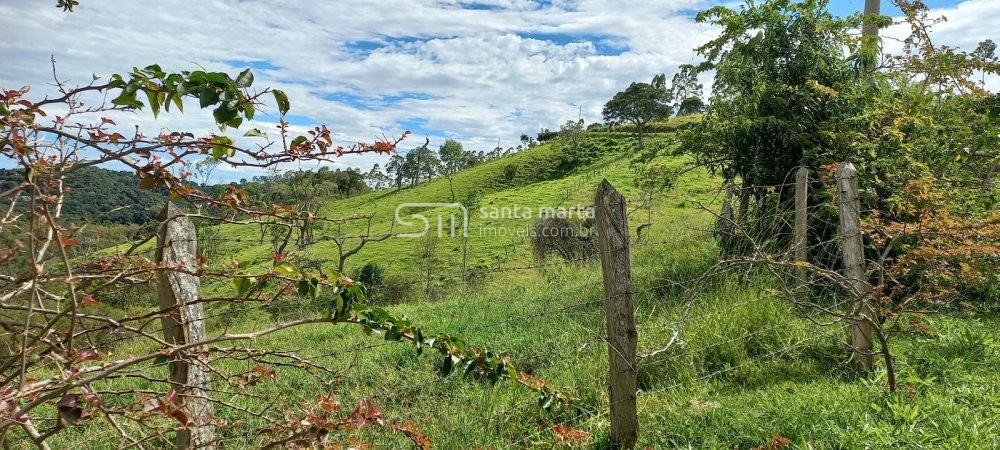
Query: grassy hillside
<point x="748" y="372"/>
<point x="539" y="181"/>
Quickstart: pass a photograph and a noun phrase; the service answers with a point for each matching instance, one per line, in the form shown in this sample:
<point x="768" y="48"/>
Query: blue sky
<point x="476" y="71"/>
<point x="846" y="7"/>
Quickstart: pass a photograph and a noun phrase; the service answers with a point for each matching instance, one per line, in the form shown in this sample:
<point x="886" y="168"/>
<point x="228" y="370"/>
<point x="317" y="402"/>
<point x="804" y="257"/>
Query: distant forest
<point x="109" y="197"/>
<point x="100" y="196"/>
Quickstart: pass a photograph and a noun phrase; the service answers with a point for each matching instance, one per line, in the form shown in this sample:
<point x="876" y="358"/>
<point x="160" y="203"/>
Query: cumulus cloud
<point x="474" y="70"/>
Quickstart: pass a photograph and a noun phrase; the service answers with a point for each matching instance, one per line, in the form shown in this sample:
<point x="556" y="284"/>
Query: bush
<point x="570" y="239"/>
<point x="397" y="289"/>
<point x="372" y="276"/>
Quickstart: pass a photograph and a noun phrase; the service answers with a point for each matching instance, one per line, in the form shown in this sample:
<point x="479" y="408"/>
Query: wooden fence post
<point x="727" y="206"/>
<point x="612" y="229"/>
<point x="799" y="243"/>
<point x="178" y="293"/>
<point x="854" y="263"/>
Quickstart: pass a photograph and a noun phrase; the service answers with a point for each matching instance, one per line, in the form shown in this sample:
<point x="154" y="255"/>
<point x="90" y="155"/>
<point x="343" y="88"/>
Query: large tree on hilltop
<point x="639" y="104"/>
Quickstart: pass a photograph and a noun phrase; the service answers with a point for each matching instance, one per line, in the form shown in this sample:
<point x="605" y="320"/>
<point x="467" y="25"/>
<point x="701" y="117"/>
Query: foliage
<point x="545" y="135"/>
<point x="935" y="255"/>
<point x="779" y="68"/>
<point x="686" y="91"/>
<point x="100" y="196"/>
<point x="372" y="276"/>
<point x="568" y="238"/>
<point x="638" y="104"/>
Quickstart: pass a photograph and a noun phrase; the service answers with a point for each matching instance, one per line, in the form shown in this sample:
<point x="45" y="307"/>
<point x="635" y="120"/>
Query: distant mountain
<point x="101" y="196"/>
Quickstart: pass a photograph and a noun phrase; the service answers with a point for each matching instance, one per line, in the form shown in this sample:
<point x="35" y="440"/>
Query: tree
<point x="453" y="158"/>
<point x="986" y="52"/>
<point x="352" y="180"/>
<point x="639" y="104"/>
<point x="396" y="169"/>
<point x="545" y="134"/>
<point x="377" y="179"/>
<point x="574" y="132"/>
<point x="778" y="68"/>
<point x="421" y="163"/>
<point x="686" y="91"/>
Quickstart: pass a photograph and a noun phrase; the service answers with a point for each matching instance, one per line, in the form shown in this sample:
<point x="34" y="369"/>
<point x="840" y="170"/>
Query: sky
<point x="477" y="71"/>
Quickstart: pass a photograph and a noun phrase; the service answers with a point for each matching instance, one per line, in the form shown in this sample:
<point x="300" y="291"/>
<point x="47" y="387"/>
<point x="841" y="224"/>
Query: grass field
<point x="748" y="373"/>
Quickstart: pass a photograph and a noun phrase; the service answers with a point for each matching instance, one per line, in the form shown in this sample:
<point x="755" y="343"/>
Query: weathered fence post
<point x="799" y="243"/>
<point x="727" y="206"/>
<point x="854" y="263"/>
<point x="724" y="224"/>
<point x="612" y="229"/>
<point x="183" y="323"/>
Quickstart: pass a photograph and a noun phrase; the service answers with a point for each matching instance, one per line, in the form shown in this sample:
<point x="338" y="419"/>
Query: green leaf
<point x="282" y="100"/>
<point x="243" y="285"/>
<point x="197" y="76"/>
<point x="153" y="103"/>
<point x="217" y="77"/>
<point x="170" y="98"/>
<point x="304" y="288"/>
<point x="447" y="365"/>
<point x="132" y="87"/>
<point x="255" y="132"/>
<point x="224" y="115"/>
<point x="393" y="334"/>
<point x="244" y="79"/>
<point x="154" y="70"/>
<point x="127" y="99"/>
<point x="208" y="96"/>
<point x="286" y="268"/>
<point x="179" y="102"/>
<point x="186" y="87"/>
<point x="222" y="147"/>
<point x="298" y="140"/>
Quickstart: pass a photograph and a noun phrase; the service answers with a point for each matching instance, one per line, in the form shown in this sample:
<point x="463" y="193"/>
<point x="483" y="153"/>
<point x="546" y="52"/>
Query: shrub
<point x="568" y="238"/>
<point x="372" y="276"/>
<point x="396" y="289"/>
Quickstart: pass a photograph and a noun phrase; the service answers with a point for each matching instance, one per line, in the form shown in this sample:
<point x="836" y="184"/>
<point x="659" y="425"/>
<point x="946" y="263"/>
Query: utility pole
<point x="869" y="35"/>
<point x="873" y="9"/>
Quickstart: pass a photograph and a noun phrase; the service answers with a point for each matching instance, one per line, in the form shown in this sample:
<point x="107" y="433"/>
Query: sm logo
<point x="451" y="218"/>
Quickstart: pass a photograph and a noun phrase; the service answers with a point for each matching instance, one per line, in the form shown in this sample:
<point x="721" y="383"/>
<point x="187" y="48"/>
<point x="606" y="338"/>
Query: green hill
<point x="512" y="192"/>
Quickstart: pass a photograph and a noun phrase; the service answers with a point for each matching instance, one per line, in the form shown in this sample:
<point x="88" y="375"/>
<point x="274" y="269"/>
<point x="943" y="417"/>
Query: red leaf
<point x="329" y="403"/>
<point x="108" y="121"/>
<point x="411" y="431"/>
<point x="366" y="414"/>
<point x="67" y="242"/>
<point x="570" y="435"/>
<point x="70" y="412"/>
<point x="171" y="396"/>
<point x="181" y="417"/>
<point x="89" y="300"/>
<point x="88" y="354"/>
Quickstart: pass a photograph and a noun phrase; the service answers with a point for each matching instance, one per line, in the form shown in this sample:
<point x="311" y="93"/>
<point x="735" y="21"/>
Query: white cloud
<point x="481" y="74"/>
